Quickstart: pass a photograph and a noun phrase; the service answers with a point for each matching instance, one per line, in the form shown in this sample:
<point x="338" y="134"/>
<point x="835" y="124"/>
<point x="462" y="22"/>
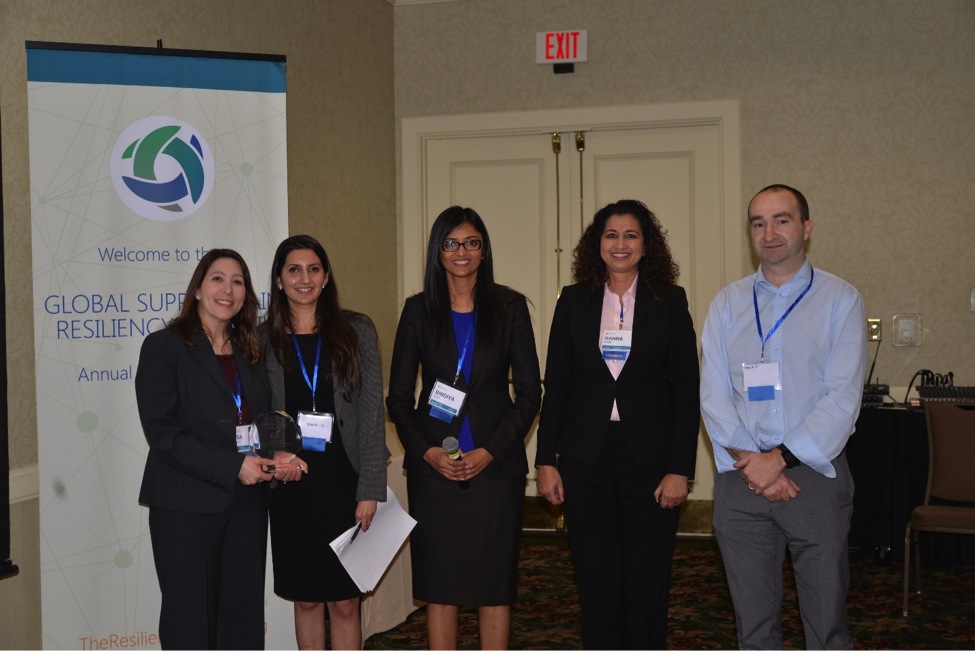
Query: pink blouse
<point x="611" y="321"/>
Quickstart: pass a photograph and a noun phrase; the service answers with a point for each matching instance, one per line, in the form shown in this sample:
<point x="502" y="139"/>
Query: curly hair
<point x="657" y="268"/>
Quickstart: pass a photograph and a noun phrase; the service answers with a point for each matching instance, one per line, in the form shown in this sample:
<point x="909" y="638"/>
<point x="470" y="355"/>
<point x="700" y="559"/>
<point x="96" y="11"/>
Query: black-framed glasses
<point x="453" y="245"/>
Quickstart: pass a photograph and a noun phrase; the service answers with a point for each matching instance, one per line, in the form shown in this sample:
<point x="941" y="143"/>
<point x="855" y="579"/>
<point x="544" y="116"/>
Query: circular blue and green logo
<point x="162" y="168"/>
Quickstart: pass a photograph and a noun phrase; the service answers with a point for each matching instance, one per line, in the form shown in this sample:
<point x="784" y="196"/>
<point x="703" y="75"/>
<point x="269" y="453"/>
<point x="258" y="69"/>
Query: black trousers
<point x="622" y="547"/>
<point x="211" y="574"/>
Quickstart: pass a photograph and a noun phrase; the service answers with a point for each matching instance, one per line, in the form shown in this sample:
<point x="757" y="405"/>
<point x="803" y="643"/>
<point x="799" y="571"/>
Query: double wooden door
<point x="538" y="189"/>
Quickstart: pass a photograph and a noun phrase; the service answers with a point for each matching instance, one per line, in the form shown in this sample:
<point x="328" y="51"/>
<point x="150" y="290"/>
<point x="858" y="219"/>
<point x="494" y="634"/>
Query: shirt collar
<point x="630" y="293"/>
<point x="801" y="276"/>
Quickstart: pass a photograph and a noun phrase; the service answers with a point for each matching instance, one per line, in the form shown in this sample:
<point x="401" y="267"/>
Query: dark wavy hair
<point x="436" y="296"/>
<point x="340" y="340"/>
<point x="657" y="268"/>
<point x="800" y="198"/>
<point x="243" y="325"/>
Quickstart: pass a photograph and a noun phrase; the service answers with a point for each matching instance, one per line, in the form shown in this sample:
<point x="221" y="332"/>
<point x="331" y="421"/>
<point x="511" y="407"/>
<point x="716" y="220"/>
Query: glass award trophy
<point x="274" y="432"/>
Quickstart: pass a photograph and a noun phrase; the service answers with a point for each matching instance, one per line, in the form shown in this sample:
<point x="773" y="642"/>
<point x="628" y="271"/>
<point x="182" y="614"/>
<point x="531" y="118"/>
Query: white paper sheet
<point x="367" y="557"/>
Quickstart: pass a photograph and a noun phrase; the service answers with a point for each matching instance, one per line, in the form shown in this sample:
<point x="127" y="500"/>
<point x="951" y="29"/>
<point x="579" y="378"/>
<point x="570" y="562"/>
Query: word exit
<point x="567" y="46"/>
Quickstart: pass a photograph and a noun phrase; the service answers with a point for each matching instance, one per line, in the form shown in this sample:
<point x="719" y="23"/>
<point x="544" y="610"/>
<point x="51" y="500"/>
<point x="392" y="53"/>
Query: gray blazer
<point x="362" y="420"/>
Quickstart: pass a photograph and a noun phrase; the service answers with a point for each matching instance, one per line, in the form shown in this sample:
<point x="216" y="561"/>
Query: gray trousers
<point x="753" y="534"/>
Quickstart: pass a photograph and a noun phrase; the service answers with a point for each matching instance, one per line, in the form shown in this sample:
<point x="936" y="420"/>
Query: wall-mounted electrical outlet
<point x="873" y="330"/>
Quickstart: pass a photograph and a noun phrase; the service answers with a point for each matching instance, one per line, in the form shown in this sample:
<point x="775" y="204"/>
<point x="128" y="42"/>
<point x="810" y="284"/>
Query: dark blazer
<point x="189" y="419"/>
<point x="497" y="424"/>
<point x="361" y="420"/>
<point x="657" y="392"/>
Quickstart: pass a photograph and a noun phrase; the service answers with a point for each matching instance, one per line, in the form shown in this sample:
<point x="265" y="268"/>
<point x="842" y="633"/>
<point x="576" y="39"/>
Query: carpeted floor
<point x="546" y="615"/>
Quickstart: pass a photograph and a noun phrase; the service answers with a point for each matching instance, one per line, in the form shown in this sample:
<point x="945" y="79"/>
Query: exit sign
<point x="566" y="46"/>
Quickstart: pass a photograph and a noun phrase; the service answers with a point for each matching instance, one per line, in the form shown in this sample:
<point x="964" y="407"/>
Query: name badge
<point x="247" y="435"/>
<point x="616" y="344"/>
<point x="761" y="381"/>
<point x="445" y="401"/>
<point x="316" y="430"/>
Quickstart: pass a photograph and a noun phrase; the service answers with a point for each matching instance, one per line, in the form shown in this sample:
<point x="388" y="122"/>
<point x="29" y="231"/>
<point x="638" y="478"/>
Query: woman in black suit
<point x="621" y="414"/>
<point x="199" y="383"/>
<point x="466" y="332"/>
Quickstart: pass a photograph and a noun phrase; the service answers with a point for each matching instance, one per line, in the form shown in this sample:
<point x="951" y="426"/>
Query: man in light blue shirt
<point x="785" y="354"/>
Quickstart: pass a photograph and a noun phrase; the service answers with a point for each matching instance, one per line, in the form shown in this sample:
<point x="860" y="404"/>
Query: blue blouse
<point x="462" y="321"/>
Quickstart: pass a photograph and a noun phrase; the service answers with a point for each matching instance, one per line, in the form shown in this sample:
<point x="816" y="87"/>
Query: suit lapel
<point x="244" y="371"/>
<point x="447" y="347"/>
<point x="592" y="316"/>
<point x="205" y="357"/>
<point x="641" y="319"/>
<point x="203" y="354"/>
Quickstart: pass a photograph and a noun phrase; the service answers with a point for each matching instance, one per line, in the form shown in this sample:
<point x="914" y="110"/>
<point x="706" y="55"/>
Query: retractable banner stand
<point x="141" y="160"/>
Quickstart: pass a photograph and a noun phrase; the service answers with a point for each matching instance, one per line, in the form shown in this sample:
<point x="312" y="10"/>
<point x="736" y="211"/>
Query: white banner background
<point x="99" y="588"/>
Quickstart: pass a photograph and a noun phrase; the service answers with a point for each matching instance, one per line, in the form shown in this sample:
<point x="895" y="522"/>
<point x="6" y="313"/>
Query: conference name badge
<point x="761" y="381"/>
<point x="316" y="429"/>
<point x="247" y="435"/>
<point x="616" y="344"/>
<point x="445" y="401"/>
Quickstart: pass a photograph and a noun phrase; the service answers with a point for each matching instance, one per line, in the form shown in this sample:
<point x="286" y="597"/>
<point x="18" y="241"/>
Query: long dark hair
<point x="436" y="296"/>
<point x="657" y="268"/>
<point x="341" y="341"/>
<point x="243" y="325"/>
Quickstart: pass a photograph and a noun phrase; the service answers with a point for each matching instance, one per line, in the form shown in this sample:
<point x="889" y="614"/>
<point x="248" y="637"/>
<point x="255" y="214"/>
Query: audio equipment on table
<point x="946" y="394"/>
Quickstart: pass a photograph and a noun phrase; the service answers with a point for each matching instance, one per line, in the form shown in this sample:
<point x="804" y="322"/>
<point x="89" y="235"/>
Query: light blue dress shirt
<point x="821" y="349"/>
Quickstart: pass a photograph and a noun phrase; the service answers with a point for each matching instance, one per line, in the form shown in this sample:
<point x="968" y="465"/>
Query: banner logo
<point x="162" y="168"/>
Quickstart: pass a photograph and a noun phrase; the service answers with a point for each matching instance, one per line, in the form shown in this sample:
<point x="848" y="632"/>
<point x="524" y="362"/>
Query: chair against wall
<point x="951" y="477"/>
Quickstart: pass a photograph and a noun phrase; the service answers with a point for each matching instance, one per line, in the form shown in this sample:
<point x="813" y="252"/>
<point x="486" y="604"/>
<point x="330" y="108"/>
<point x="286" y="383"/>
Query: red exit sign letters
<point x="566" y="46"/>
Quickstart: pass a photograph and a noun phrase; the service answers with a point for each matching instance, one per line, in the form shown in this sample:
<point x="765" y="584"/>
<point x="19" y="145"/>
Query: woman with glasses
<point x="621" y="417"/>
<point x="326" y="373"/>
<point x="466" y="332"/>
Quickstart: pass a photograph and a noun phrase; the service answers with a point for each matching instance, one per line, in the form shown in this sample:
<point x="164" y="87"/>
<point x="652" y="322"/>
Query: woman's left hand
<point x="365" y="512"/>
<point x="672" y="491"/>
<point x="475" y="461"/>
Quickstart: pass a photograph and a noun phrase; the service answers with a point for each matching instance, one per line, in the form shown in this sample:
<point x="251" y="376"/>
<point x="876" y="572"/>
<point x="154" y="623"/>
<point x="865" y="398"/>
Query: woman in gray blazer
<point x="326" y="373"/>
<point x="198" y="384"/>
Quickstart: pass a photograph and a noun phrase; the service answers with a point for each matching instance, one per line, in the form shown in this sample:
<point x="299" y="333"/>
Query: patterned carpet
<point x="546" y="615"/>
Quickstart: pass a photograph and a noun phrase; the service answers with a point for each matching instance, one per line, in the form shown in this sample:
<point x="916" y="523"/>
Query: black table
<point x="888" y="456"/>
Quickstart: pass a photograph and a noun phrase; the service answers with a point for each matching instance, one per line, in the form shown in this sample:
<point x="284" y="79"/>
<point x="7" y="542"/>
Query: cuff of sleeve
<point x="545" y="459"/>
<point x="802" y="445"/>
<point x="723" y="460"/>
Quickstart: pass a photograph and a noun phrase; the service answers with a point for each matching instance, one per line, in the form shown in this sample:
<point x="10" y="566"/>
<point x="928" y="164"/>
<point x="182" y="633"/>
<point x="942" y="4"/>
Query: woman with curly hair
<point x="617" y="440"/>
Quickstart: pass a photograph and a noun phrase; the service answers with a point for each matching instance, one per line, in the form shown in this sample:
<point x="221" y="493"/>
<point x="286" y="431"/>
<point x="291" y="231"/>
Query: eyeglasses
<point x="453" y="245"/>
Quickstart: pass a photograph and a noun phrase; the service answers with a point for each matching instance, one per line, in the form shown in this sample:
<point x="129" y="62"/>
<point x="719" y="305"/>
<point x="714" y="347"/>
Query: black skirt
<point x="465" y="544"/>
<point x="309" y="514"/>
<point x="305" y="517"/>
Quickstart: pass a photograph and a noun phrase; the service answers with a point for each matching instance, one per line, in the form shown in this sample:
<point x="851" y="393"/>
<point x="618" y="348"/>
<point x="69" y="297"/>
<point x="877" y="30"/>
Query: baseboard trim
<point x="24" y="484"/>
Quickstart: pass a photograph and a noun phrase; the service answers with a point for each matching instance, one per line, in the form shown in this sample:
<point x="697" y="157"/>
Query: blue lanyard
<point x="621" y="313"/>
<point x="238" y="401"/>
<point x="758" y="319"/>
<point x="467" y="340"/>
<point x="312" y="383"/>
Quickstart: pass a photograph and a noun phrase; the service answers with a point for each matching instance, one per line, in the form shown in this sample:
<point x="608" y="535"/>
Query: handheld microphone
<point x="452" y="448"/>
